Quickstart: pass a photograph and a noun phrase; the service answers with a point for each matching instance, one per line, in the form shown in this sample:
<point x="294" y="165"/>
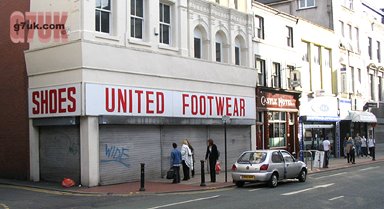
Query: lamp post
<point x="225" y="120"/>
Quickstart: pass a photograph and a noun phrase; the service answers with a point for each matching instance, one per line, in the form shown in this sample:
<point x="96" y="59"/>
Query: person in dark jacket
<point x="212" y="155"/>
<point x="176" y="163"/>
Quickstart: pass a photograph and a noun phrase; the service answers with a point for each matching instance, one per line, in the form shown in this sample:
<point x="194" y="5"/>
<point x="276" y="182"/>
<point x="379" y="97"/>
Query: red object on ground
<point x="67" y="182"/>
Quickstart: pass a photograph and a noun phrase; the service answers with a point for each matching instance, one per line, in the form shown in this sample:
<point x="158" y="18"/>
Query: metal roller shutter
<point x="60" y="153"/>
<point x="238" y="141"/>
<point x="196" y="135"/>
<point x="123" y="148"/>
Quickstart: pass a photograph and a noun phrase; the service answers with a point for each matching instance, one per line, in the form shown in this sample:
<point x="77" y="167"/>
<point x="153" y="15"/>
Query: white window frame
<point x="102" y="10"/>
<point x="289" y="36"/>
<point x="304" y="4"/>
<point x="134" y="17"/>
<point x="165" y="24"/>
<point x="261" y="71"/>
<point x="259" y="27"/>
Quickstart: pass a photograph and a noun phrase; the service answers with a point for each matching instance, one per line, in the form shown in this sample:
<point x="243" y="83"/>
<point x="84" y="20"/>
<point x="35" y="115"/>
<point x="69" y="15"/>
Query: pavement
<point x="159" y="186"/>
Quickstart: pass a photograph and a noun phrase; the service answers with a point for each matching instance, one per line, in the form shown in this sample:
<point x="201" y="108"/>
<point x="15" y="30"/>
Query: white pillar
<point x="89" y="146"/>
<point x="34" y="164"/>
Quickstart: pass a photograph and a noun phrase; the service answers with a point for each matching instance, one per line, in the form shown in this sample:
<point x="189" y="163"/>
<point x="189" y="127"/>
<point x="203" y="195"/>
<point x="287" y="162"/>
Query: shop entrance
<point x="315" y="134"/>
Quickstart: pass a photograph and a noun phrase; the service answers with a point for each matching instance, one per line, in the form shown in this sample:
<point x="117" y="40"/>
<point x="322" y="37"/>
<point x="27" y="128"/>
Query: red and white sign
<point x="55" y="101"/>
<point x="122" y="100"/>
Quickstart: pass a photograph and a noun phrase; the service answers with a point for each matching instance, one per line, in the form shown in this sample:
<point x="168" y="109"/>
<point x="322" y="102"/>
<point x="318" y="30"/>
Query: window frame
<point x="276" y="75"/>
<point x="163" y="24"/>
<point x="259" y="27"/>
<point x="102" y="10"/>
<point x="289" y="36"/>
<point x="306" y="6"/>
<point x="261" y="72"/>
<point x="134" y="17"/>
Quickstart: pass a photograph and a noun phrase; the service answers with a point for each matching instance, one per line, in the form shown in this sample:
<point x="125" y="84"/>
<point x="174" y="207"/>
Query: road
<point x="356" y="187"/>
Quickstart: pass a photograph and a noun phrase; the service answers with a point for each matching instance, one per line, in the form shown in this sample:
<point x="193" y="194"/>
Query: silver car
<point x="267" y="166"/>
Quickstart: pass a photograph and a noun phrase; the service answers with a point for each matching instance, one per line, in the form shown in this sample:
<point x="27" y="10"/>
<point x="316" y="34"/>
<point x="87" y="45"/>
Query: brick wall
<point x="14" y="148"/>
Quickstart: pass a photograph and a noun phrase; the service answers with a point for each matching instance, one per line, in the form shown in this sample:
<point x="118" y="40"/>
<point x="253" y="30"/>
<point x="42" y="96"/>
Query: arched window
<point x="240" y="51"/>
<point x="221" y="47"/>
<point x="200" y="45"/>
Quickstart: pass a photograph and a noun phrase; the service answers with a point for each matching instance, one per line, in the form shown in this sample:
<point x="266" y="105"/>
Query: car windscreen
<point x="252" y="157"/>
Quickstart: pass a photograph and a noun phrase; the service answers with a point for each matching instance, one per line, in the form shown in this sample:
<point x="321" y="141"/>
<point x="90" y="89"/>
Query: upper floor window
<point x="370" y="48"/>
<point x="316" y="54"/>
<point x="327" y="58"/>
<point x="103" y="16"/>
<point x="290" y="36"/>
<point x="276" y="78"/>
<point x="165" y="23"/>
<point x="137" y="18"/>
<point x="305" y="49"/>
<point x="260" y="68"/>
<point x="380" y="88"/>
<point x="344" y="79"/>
<point x="306" y="3"/>
<point x="218" y="1"/>
<point x="378" y="52"/>
<point x="357" y="37"/>
<point x="372" y="85"/>
<point x="342" y="28"/>
<point x="349" y="31"/>
<point x="236" y="4"/>
<point x="259" y="27"/>
<point x="348" y="4"/>
<point x="237" y="54"/>
<point x="290" y="69"/>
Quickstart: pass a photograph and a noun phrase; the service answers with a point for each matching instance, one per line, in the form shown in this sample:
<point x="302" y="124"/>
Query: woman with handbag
<point x="175" y="163"/>
<point x="213" y="155"/>
<point x="186" y="156"/>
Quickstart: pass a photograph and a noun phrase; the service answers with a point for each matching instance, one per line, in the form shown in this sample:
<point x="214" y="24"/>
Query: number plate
<point x="247" y="177"/>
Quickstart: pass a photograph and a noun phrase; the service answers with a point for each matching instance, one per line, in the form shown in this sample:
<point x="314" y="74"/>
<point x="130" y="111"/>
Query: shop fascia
<point x="99" y="99"/>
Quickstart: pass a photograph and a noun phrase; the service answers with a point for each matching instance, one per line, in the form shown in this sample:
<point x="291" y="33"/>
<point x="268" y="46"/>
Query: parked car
<point x="267" y="166"/>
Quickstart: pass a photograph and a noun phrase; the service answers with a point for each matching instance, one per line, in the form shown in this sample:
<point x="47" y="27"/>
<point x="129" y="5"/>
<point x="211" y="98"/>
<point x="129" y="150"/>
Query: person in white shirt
<point x="371" y="146"/>
<point x="327" y="148"/>
<point x="364" y="148"/>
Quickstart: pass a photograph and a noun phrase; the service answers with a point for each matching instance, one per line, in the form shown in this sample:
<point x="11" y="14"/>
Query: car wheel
<point x="302" y="175"/>
<point x="239" y="183"/>
<point x="273" y="180"/>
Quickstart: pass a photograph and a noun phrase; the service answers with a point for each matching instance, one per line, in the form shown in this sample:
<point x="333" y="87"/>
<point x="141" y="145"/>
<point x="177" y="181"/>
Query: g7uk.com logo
<point x="22" y="27"/>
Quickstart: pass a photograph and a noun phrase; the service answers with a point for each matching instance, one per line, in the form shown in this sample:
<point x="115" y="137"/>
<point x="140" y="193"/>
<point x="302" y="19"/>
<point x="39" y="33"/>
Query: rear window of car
<point x="252" y="157"/>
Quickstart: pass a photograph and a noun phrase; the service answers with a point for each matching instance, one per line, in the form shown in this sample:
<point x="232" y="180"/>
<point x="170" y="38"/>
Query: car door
<point x="278" y="164"/>
<point x="292" y="168"/>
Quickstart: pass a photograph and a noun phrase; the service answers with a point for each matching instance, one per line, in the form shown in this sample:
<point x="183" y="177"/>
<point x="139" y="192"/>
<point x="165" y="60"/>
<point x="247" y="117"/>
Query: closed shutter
<point x="60" y="153"/>
<point x="196" y="135"/>
<point x="238" y="141"/>
<point x="123" y="148"/>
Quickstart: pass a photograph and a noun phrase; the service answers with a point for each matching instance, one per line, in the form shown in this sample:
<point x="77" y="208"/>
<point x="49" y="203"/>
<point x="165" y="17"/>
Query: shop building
<point x="277" y="119"/>
<point x="113" y="96"/>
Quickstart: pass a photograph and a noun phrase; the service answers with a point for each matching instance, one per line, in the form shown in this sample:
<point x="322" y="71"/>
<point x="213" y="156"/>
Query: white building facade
<point x="134" y="77"/>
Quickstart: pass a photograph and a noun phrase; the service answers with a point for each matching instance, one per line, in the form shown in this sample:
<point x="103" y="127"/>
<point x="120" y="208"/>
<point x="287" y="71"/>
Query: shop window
<point x="277" y="130"/>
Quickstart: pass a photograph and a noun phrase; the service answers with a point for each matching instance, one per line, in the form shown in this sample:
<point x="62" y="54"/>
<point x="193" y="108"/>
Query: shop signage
<point x="55" y="101"/>
<point x="275" y="100"/>
<point x="129" y="101"/>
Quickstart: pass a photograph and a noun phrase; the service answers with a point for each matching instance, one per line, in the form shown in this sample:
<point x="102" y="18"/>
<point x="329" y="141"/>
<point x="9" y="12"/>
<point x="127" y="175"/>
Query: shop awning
<point x="363" y="117"/>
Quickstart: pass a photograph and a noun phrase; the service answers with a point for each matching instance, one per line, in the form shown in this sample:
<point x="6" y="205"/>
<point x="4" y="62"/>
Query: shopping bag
<point x="67" y="182"/>
<point x="170" y="173"/>
<point x="217" y="167"/>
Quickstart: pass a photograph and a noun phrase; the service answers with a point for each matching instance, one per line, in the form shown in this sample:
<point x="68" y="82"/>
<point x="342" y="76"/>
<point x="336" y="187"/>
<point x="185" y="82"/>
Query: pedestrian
<point x="193" y="158"/>
<point x="186" y="156"/>
<point x="364" y="147"/>
<point x="350" y="148"/>
<point x="345" y="145"/>
<point x="358" y="144"/>
<point x="327" y="148"/>
<point x="371" y="146"/>
<point x="212" y="155"/>
<point x="176" y="163"/>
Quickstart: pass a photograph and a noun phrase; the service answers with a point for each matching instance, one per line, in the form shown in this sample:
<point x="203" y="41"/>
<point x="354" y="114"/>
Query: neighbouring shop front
<point x="276" y="115"/>
<point x="319" y="119"/>
<point x="109" y="130"/>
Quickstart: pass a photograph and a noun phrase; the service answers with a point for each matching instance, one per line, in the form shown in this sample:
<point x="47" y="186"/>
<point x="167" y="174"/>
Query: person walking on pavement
<point x="176" y="163"/>
<point x="364" y="146"/>
<point x="371" y="146"/>
<point x="193" y="158"/>
<point x="350" y="151"/>
<point x="327" y="148"/>
<point x="358" y="144"/>
<point x="186" y="156"/>
<point x="212" y="155"/>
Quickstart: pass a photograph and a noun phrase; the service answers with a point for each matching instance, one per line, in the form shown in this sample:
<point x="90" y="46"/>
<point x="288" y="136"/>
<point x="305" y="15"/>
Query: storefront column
<point x="253" y="137"/>
<point x="89" y="155"/>
<point x="34" y="165"/>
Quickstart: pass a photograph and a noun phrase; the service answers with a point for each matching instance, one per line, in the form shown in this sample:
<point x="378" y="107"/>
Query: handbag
<point x="170" y="173"/>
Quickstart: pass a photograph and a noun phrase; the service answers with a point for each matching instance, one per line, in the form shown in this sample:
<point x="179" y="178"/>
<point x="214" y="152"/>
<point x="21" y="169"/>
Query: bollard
<point x="142" y="177"/>
<point x="202" y="174"/>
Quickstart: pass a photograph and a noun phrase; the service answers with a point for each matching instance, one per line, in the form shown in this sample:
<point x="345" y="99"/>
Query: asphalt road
<point x="357" y="187"/>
